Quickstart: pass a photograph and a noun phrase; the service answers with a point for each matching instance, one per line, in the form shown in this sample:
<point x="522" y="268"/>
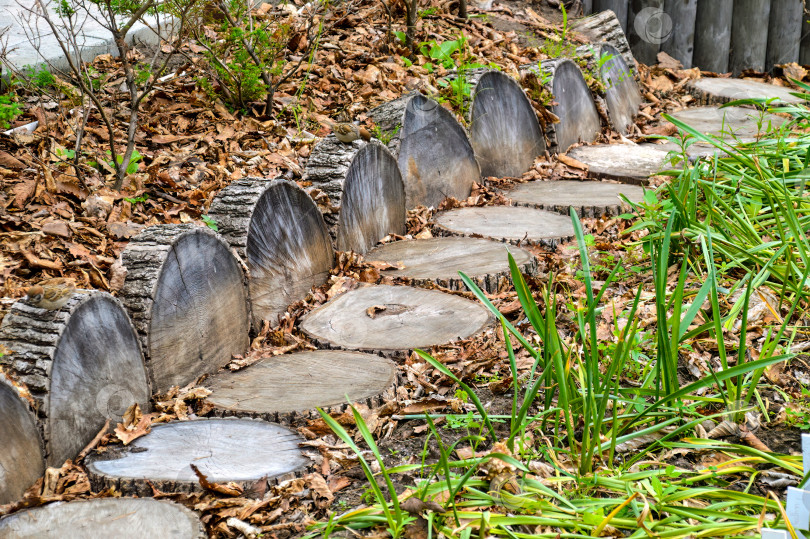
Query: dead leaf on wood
<point x="228" y="489"/>
<point x="134" y="426"/>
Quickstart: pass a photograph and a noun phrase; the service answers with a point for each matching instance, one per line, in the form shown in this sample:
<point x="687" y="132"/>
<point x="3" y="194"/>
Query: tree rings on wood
<point x="122" y="518"/>
<point x="622" y="95"/>
<point x="82" y="365"/>
<point x="277" y="227"/>
<point x="438" y="260"/>
<point x="727" y="122"/>
<point x="248" y="452"/>
<point x="506" y="223"/>
<point x="504" y="132"/>
<point x="716" y="91"/>
<point x="433" y="152"/>
<point x="588" y="198"/>
<point x="629" y="163"/>
<point x="281" y="387"/>
<point x="21" y="458"/>
<point x="186" y="293"/>
<point x="394" y="319"/>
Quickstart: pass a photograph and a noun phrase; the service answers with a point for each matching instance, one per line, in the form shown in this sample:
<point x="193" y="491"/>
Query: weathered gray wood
<point x="588" y="198"/>
<point x="605" y="26"/>
<point x="433" y="152"/>
<point x="275" y="225"/>
<point x="804" y="47"/>
<point x="713" y="35"/>
<point x="285" y="387"/>
<point x="248" y="452"/>
<point x="618" y="7"/>
<point x="122" y="518"/>
<point x="629" y="163"/>
<point x="504" y="131"/>
<point x="648" y="26"/>
<point x="506" y="223"/>
<point x="693" y="152"/>
<point x="711" y="91"/>
<point x="82" y="365"/>
<point x="749" y="35"/>
<point x="681" y="44"/>
<point x="727" y="122"/>
<point x="186" y="293"/>
<point x="438" y="260"/>
<point x="784" y="32"/>
<point x="22" y="460"/>
<point x="392" y="320"/>
<point x="622" y="96"/>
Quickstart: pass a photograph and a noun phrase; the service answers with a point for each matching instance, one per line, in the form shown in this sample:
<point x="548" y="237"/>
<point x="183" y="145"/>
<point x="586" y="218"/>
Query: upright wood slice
<point x="22" y="460"/>
<point x="629" y="163"/>
<point x="433" y="152"/>
<point x="506" y="223"/>
<point x="727" y="122"/>
<point x="505" y="133"/>
<point x="284" y="387"/>
<point x="122" y="518"/>
<point x="438" y="260"/>
<point x="588" y="198"/>
<point x="393" y="320"/>
<point x="647" y="26"/>
<point x="275" y="225"/>
<point x="82" y="365"/>
<point x="605" y="26"/>
<point x="622" y="95"/>
<point x="186" y="293"/>
<point x="246" y="451"/>
<point x="681" y="44"/>
<point x="716" y="91"/>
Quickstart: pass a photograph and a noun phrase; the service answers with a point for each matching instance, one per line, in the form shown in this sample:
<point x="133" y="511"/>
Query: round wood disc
<point x="122" y="518"/>
<point x="694" y="151"/>
<point x="711" y="91"/>
<point x="579" y="120"/>
<point x="296" y="384"/>
<point x="504" y="132"/>
<point x="187" y="294"/>
<point x="506" y="223"/>
<point x="82" y="365"/>
<point x="245" y="451"/>
<point x="630" y="163"/>
<point x="722" y="122"/>
<point x="438" y="260"/>
<point x="588" y="198"/>
<point x="622" y="95"/>
<point x="21" y="459"/>
<point x="394" y="319"/>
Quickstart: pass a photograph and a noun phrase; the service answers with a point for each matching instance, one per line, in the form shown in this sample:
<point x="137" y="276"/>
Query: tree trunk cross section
<point x="507" y="224"/>
<point x="22" y="460"/>
<point x="588" y="198"/>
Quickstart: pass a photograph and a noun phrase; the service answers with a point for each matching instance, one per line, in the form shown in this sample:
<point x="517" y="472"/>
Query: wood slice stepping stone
<point x="716" y="91"/>
<point x="186" y="293"/>
<point x="504" y="131"/>
<point x="365" y="189"/>
<point x="82" y="365"/>
<point x="588" y="198"/>
<point x="22" y="460"/>
<point x="284" y="387"/>
<point x="433" y="152"/>
<point x="506" y="223"/>
<point x="276" y="227"/>
<point x="438" y="260"/>
<point x="248" y="452"/>
<point x="622" y="96"/>
<point x="605" y="26"/>
<point x="122" y="518"/>
<point x="628" y="163"/>
<point x="392" y="320"/>
<point x="723" y="122"/>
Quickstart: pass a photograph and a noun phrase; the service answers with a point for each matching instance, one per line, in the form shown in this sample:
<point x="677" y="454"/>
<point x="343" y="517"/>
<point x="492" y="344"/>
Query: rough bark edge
<point x="389" y="117"/>
<point x="551" y="243"/>
<point x="233" y="207"/>
<point x="605" y="26"/>
<point x="610" y="210"/>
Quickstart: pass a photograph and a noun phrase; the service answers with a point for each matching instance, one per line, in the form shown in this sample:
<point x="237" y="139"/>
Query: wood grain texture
<point x="728" y="122"/>
<point x="249" y="452"/>
<point x="285" y="387"/>
<point x="82" y="365"/>
<point x="433" y="152"/>
<point x="622" y="96"/>
<point x="22" y="459"/>
<point x="646" y="29"/>
<point x="605" y="26"/>
<point x="626" y="163"/>
<point x="275" y="225"/>
<point x="713" y="35"/>
<point x="618" y="8"/>
<point x="717" y="91"/>
<point x="506" y="223"/>
<point x="588" y="198"/>
<point x="749" y="35"/>
<point x="438" y="260"/>
<point x="393" y="320"/>
<point x="681" y="44"/>
<point x="504" y="131"/>
<point x="186" y="293"/>
<point x="122" y="518"/>
<point x="573" y="105"/>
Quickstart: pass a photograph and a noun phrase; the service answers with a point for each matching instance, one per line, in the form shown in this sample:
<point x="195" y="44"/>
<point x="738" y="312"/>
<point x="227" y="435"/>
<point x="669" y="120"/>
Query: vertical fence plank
<point x="804" y="47"/>
<point x="713" y="35"/>
<point x="749" y="35"/>
<point x="647" y="27"/>
<point x="784" y="32"/>
<point x="682" y="42"/>
<point x="619" y="7"/>
<point x="587" y="7"/>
